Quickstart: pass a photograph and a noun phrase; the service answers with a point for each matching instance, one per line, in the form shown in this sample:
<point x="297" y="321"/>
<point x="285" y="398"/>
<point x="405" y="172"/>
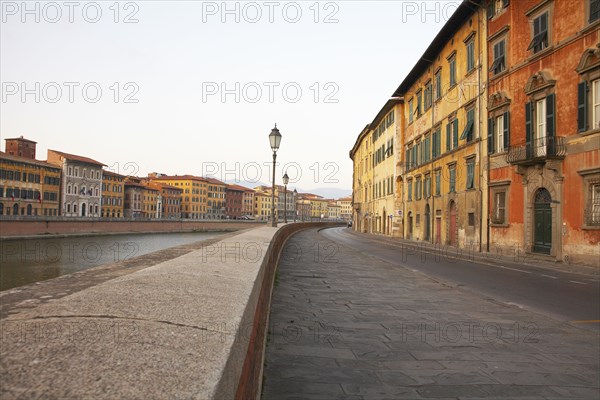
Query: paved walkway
<point x="345" y="325"/>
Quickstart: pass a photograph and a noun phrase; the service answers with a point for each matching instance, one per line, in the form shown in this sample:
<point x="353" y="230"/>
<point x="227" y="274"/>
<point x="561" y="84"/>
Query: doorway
<point x="542" y="222"/>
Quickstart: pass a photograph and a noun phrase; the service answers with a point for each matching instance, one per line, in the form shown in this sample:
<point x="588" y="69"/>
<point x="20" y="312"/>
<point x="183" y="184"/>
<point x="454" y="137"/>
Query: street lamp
<point x="295" y="204"/>
<point x="286" y="179"/>
<point x="274" y="140"/>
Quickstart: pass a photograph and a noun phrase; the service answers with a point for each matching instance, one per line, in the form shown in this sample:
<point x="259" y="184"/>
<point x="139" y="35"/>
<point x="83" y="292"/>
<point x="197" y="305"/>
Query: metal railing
<point x="537" y="150"/>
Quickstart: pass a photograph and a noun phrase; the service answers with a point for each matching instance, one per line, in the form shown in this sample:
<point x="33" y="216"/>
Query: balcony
<point x="537" y="151"/>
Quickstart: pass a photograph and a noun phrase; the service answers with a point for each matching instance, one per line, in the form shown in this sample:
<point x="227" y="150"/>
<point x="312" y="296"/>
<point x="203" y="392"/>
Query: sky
<point x="195" y="87"/>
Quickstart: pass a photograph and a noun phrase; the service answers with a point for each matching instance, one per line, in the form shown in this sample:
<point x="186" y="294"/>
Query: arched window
<point x="29" y="209"/>
<point x="15" y="209"/>
<point x="543" y="196"/>
<point x="96" y="192"/>
<point x="75" y="208"/>
<point x="68" y="207"/>
<point x="68" y="189"/>
<point x="82" y="190"/>
<point x="96" y="208"/>
<point x="75" y="189"/>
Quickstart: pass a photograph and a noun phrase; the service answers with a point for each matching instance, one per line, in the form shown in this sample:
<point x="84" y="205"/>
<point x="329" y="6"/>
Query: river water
<point x="34" y="260"/>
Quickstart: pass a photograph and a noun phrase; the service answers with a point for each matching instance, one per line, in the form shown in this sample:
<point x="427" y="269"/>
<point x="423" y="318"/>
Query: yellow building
<point x="194" y="196"/>
<point x="151" y="202"/>
<point x="28" y="186"/>
<point x="385" y="130"/>
<point x="262" y="205"/>
<point x="113" y="195"/>
<point x="444" y="112"/>
<point x="362" y="180"/>
<point x="216" y="198"/>
<point x="334" y="210"/>
<point x="345" y="204"/>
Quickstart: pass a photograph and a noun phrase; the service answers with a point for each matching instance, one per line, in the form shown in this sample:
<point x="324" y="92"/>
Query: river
<point x="34" y="260"/>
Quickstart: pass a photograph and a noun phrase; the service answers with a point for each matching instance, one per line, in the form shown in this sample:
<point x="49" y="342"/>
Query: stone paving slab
<point x="354" y="327"/>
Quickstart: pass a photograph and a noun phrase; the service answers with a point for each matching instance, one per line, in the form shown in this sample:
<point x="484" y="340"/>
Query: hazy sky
<point x="185" y="88"/>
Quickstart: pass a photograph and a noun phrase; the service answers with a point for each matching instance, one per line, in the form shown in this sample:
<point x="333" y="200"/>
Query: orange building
<point x="544" y="128"/>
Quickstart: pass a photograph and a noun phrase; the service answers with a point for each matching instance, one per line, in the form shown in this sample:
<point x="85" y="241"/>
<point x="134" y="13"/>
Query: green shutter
<point x="506" y="130"/>
<point x="490" y="135"/>
<point x="448" y="136"/>
<point x="528" y="123"/>
<point x="455" y="133"/>
<point x="551" y="115"/>
<point x="582" y="123"/>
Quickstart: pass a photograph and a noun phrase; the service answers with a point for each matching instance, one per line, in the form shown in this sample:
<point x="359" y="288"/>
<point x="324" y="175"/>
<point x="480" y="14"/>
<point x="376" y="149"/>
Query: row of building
<point x="70" y="185"/>
<point x="492" y="140"/>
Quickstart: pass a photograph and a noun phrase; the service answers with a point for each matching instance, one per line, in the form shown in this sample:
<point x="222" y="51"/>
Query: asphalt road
<point x="567" y="296"/>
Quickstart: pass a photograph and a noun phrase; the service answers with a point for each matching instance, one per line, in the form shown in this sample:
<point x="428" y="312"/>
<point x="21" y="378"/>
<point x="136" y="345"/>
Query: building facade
<point x="28" y="187"/>
<point x="216" y="204"/>
<point x="544" y="128"/>
<point x="81" y="184"/>
<point x="134" y="200"/>
<point x="234" y="201"/>
<point x="262" y="205"/>
<point x="443" y="194"/>
<point x="113" y="195"/>
<point x="194" y="195"/>
<point x="345" y="204"/>
<point x="170" y="199"/>
<point x="362" y="180"/>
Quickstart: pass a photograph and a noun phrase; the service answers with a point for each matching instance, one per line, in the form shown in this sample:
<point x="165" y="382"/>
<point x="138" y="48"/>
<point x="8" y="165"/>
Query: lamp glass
<point x="286" y="179"/>
<point x="275" y="138"/>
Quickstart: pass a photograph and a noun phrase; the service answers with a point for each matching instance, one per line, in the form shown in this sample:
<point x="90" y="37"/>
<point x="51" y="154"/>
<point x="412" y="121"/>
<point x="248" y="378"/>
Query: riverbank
<point x="67" y="227"/>
<point x="187" y="323"/>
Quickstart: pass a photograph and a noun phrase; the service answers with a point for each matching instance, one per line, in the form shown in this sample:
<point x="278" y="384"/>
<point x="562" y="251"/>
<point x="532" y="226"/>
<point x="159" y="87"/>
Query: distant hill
<point x="328" y="193"/>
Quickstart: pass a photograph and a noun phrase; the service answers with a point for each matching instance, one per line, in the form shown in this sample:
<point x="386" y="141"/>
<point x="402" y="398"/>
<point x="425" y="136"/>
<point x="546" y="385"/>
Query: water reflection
<point x="33" y="260"/>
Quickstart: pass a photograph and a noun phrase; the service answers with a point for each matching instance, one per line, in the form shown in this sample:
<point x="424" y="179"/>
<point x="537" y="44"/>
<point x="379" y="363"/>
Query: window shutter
<point x="490" y="9"/>
<point x="448" y="130"/>
<point x="550" y="115"/>
<point x="528" y="125"/>
<point x="455" y="133"/>
<point x="490" y="136"/>
<point x="582" y="123"/>
<point x="506" y="130"/>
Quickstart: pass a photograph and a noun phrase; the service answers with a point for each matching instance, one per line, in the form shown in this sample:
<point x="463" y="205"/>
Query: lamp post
<point x="274" y="140"/>
<point x="286" y="179"/>
<point x="295" y="204"/>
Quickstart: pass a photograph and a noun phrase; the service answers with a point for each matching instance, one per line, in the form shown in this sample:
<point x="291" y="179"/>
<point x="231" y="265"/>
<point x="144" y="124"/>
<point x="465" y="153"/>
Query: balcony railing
<point x="538" y="150"/>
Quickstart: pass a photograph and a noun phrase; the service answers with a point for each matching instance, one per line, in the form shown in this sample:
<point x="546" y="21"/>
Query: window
<point x="499" y="63"/>
<point x="495" y="7"/>
<point x="418" y="189"/>
<point x="419" y="101"/>
<point x="452" y="135"/>
<point x="409" y="191"/>
<point x="411" y="110"/>
<point x="70" y="171"/>
<point x="594" y="10"/>
<point x="427" y="149"/>
<point x="438" y="84"/>
<point x="588" y="120"/>
<point x="436" y="148"/>
<point x="428" y="96"/>
<point x="499" y="207"/>
<point x="539" y="125"/>
<point x="470" y="174"/>
<point x="596" y="103"/>
<point x="470" y="55"/>
<point x="498" y="133"/>
<point x="540" y="33"/>
<point x="427" y="188"/>
<point x="593" y="212"/>
<point x="452" y="174"/>
<point x="471" y="218"/>
<point x="452" y="67"/>
<point x="469" y="127"/>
